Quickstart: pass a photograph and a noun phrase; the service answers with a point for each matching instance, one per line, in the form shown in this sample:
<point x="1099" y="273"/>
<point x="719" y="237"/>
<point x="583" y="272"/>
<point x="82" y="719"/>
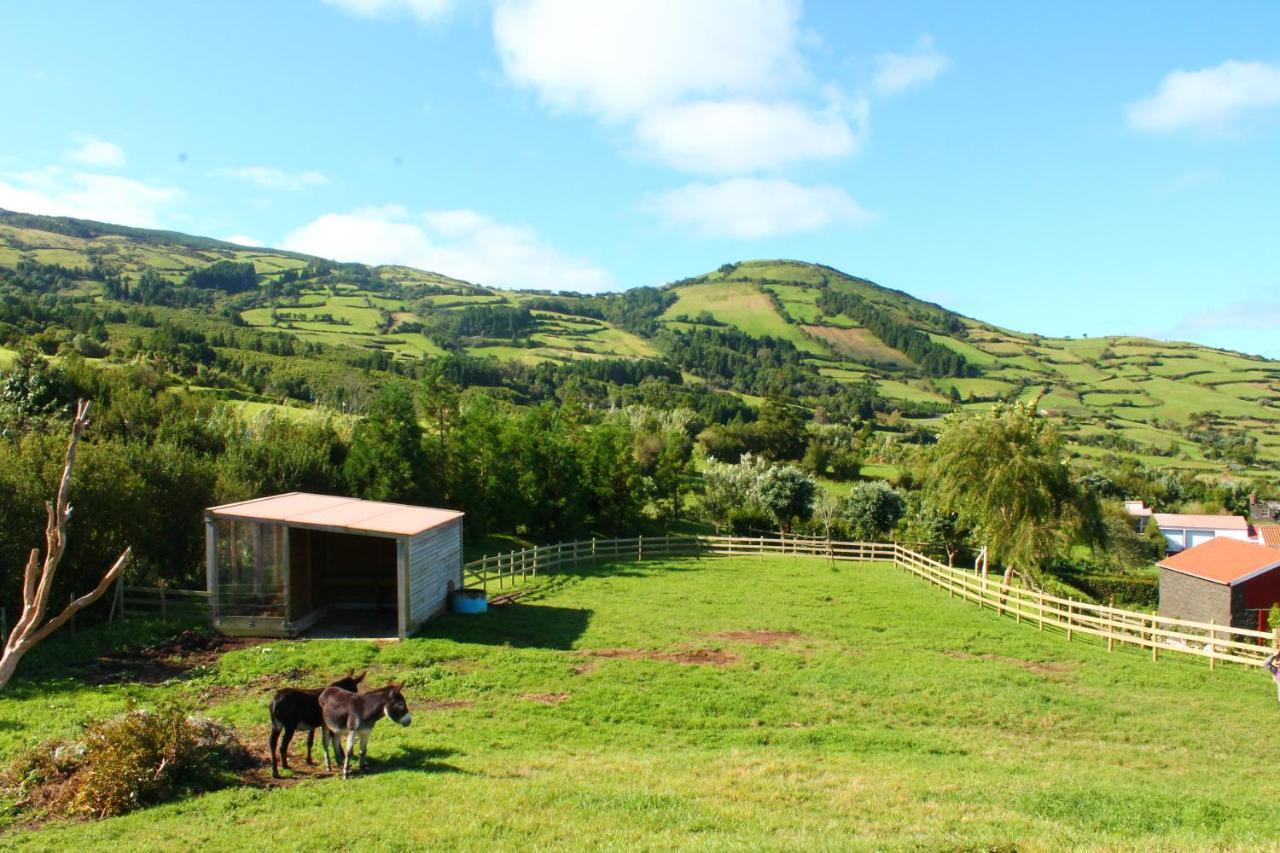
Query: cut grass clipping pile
<point x="719" y="703"/>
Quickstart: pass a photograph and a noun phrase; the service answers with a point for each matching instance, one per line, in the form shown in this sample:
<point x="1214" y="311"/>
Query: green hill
<point x="747" y="329"/>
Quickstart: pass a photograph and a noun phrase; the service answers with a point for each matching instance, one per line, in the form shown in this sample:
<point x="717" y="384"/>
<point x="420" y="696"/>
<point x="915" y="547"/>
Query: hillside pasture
<point x="724" y="703"/>
<point x="740" y="304"/>
<point x="860" y="345"/>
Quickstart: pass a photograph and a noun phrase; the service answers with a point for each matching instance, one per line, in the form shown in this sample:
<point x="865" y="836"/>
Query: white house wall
<point x="435" y="559"/>
<point x="1180" y="538"/>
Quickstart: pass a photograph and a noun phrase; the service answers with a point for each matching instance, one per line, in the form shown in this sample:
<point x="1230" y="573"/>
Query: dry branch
<point x="37" y="579"/>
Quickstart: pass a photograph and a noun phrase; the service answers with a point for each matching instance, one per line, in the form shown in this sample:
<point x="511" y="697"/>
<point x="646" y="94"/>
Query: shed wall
<point x="434" y="559"/>
<point x="1194" y="599"/>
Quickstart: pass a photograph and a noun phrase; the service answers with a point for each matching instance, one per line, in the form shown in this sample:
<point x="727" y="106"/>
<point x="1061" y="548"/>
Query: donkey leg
<point x="351" y="744"/>
<point x="311" y="737"/>
<point x="364" y="748"/>
<point x="289" y="729"/>
<point x="324" y="744"/>
<point x="275" y="736"/>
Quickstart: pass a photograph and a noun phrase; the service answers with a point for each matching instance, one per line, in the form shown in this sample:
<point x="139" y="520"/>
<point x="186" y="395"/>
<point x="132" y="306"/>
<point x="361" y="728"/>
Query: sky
<point x="1069" y="169"/>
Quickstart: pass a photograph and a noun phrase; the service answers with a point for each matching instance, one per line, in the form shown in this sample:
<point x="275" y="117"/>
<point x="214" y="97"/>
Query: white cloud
<point x="745" y="135"/>
<point x="620" y="58"/>
<point x="270" y="178"/>
<point x="898" y="72"/>
<point x="1211" y="100"/>
<point x="55" y="191"/>
<point x="92" y="151"/>
<point x="748" y="208"/>
<point x="423" y="10"/>
<point x="244" y="240"/>
<point x="459" y="243"/>
<point x="715" y="87"/>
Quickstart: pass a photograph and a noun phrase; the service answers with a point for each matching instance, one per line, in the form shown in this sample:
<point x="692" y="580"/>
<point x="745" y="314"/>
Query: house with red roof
<point x="1222" y="580"/>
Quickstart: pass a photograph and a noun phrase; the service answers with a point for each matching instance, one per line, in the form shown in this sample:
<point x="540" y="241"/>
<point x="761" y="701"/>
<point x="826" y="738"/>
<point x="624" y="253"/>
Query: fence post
<point x="1110" y="622"/>
<point x="1213" y="635"/>
<point x="640" y="547"/>
<point x="1155" y="650"/>
<point x="593" y="550"/>
<point x="164" y="610"/>
<point x="1040" y="608"/>
<point x="1070" y="609"/>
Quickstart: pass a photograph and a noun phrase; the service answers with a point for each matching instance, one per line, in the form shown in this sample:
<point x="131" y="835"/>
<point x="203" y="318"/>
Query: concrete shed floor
<point x="355" y="624"/>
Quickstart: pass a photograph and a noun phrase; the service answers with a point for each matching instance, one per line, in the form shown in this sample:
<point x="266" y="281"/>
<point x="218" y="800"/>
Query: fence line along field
<point x="753" y="701"/>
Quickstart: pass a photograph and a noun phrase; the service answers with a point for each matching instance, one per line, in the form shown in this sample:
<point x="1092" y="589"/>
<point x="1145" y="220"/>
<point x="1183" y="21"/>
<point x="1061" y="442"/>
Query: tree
<point x="37" y="579"/>
<point x="873" y="509"/>
<point x="781" y="429"/>
<point x="386" y="461"/>
<point x="1005" y="476"/>
<point x="787" y="493"/>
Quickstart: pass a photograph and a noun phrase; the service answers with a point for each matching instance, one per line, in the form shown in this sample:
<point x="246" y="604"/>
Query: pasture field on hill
<point x="722" y="703"/>
<point x="740" y="304"/>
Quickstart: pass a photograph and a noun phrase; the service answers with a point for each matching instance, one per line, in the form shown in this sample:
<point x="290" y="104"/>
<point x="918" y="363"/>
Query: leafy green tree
<point x="872" y="510"/>
<point x="387" y="461"/>
<point x="1004" y="474"/>
<point x="781" y="429"/>
<point x="787" y="493"/>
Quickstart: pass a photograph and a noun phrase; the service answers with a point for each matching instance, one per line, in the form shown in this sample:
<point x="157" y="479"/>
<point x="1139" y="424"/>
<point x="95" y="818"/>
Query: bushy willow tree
<point x="1004" y="475"/>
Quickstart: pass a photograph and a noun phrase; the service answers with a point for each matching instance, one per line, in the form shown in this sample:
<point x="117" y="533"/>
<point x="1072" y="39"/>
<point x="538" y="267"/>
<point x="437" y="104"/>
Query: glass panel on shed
<point x="251" y="568"/>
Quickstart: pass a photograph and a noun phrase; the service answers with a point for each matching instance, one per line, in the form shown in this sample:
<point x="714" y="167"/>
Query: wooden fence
<point x="159" y="602"/>
<point x="1215" y="643"/>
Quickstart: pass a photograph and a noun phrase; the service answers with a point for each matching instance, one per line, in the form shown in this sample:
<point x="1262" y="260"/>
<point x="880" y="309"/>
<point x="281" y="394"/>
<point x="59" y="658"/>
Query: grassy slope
<point x="1120" y="384"/>
<point x="895" y="718"/>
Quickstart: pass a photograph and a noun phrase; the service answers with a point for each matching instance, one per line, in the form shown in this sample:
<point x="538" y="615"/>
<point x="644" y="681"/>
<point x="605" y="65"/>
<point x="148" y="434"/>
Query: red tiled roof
<point x="1223" y="560"/>
<point x="1269" y="534"/>
<point x="1201" y="522"/>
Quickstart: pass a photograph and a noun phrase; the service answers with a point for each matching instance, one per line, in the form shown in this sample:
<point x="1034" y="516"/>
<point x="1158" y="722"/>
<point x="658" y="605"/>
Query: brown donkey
<point x="352" y="714"/>
<point x="292" y="709"/>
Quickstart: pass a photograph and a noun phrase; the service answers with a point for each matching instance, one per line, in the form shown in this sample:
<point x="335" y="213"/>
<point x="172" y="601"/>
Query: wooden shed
<point x="278" y="565"/>
<point x="1223" y="580"/>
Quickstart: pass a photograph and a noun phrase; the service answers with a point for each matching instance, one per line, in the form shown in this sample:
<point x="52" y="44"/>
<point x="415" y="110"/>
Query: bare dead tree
<point x="37" y="580"/>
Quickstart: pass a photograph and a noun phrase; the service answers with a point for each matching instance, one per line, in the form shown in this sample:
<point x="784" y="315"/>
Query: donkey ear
<point x="359" y="678"/>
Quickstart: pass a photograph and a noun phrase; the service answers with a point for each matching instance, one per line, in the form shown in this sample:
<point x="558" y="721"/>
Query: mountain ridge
<point x="809" y="331"/>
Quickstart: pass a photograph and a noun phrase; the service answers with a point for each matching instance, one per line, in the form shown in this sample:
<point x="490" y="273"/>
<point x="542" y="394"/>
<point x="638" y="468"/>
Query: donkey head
<point x="395" y="708"/>
<point x="350" y="681"/>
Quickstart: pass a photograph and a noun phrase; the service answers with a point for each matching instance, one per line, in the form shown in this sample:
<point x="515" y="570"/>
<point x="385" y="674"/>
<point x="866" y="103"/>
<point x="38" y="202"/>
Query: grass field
<point x="7" y="357"/>
<point x="724" y="704"/>
<point x="740" y="304"/>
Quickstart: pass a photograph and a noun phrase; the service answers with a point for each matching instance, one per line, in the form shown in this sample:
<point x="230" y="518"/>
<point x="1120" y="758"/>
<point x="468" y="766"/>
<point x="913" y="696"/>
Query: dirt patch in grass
<point x="1038" y="667"/>
<point x="710" y="657"/>
<point x="446" y="704"/>
<point x="760" y="637"/>
<point x="585" y="667"/>
<point x="545" y="698"/>
<point x="166" y="661"/>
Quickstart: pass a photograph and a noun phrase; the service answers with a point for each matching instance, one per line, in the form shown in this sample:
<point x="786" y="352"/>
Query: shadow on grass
<point x="419" y="759"/>
<point x="522" y="626"/>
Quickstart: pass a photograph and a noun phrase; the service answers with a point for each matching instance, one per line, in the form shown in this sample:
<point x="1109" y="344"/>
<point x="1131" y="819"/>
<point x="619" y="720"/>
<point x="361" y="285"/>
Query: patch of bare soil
<point x="446" y="704"/>
<point x="585" y="667"/>
<point x="712" y="657"/>
<point x="1038" y="667"/>
<point x="545" y="698"/>
<point x="760" y="638"/>
<point x="166" y="661"/>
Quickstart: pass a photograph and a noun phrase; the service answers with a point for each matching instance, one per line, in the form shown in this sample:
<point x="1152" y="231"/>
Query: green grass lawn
<point x="740" y="304"/>
<point x="638" y="706"/>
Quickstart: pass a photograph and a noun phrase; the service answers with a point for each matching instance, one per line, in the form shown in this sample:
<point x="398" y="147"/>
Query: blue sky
<point x="1085" y="168"/>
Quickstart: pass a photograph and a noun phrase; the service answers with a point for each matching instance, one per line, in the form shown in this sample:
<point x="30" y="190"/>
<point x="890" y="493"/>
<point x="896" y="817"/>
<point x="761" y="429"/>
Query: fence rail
<point x="1214" y="643"/>
<point x="159" y="601"/>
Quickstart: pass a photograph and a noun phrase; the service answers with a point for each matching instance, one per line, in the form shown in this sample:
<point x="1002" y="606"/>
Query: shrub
<point x="139" y="758"/>
<point x="1125" y="590"/>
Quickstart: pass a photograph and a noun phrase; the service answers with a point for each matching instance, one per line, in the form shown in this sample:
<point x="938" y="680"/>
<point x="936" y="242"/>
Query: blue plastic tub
<point x="469" y="601"/>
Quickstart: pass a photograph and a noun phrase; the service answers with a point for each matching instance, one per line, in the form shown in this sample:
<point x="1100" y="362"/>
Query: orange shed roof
<point x="333" y="512"/>
<point x="1224" y="560"/>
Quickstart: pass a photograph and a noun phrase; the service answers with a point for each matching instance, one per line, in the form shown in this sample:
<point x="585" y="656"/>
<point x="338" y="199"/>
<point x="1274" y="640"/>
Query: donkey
<point x="292" y="709"/>
<point x="352" y="714"/>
